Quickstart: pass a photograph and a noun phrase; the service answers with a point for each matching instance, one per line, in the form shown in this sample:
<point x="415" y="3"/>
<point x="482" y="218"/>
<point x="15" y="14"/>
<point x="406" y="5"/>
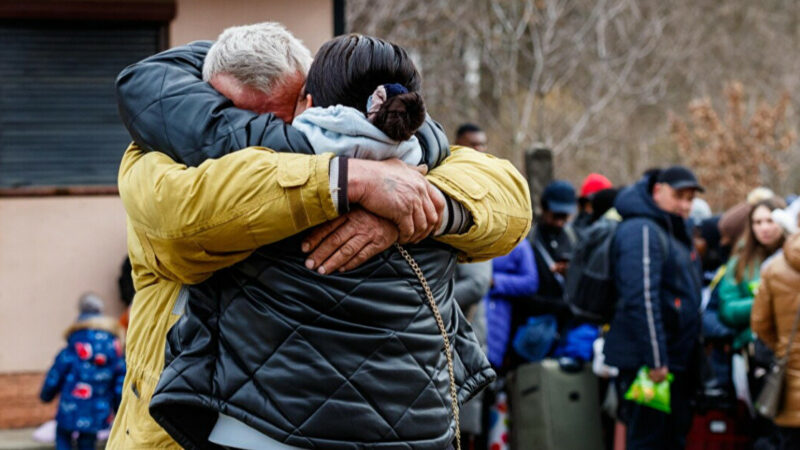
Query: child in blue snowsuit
<point x="88" y="373"/>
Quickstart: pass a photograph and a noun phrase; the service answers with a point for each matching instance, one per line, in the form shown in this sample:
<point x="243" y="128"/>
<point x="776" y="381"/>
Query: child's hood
<point x="102" y="323"/>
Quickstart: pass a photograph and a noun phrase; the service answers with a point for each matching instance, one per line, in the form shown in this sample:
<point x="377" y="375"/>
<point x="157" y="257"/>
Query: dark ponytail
<point x="401" y="116"/>
<point x="347" y="70"/>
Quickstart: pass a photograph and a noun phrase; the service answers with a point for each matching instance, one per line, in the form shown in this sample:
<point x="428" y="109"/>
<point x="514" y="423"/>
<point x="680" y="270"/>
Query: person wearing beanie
<point x="603" y="202"/>
<point x="88" y="374"/>
<point x="592" y="184"/>
<point x="553" y="243"/>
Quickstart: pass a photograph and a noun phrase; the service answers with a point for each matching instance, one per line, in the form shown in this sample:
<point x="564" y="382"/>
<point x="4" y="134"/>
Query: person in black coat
<point x="657" y="320"/>
<point x="553" y="243"/>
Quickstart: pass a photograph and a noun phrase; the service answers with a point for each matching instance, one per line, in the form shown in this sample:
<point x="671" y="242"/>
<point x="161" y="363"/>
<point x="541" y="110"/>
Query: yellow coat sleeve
<point x="193" y="221"/>
<point x="496" y="195"/>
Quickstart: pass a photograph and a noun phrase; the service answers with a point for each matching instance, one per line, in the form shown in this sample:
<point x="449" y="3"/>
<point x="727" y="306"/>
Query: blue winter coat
<point x="88" y="373"/>
<point x="515" y="279"/>
<point x="657" y="320"/>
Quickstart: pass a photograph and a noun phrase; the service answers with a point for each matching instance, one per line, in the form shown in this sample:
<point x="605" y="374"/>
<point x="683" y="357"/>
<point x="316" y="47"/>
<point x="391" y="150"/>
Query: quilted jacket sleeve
<point x="495" y="194"/>
<point x="55" y="376"/>
<point x="640" y="259"/>
<point x="524" y="281"/>
<point x="193" y="221"/>
<point x="166" y="106"/>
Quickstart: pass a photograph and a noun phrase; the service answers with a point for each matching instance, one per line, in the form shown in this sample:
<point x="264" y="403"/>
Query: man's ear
<point x="309" y="102"/>
<point x="657" y="189"/>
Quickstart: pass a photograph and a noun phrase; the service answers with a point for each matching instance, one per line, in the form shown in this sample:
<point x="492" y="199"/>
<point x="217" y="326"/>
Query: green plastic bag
<point x="648" y="393"/>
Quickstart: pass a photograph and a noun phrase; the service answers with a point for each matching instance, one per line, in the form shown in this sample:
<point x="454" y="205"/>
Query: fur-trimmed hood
<point x="104" y="323"/>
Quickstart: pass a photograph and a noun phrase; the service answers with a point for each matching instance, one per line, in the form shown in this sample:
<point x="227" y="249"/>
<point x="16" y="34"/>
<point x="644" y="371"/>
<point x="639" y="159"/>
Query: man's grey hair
<point x="261" y="55"/>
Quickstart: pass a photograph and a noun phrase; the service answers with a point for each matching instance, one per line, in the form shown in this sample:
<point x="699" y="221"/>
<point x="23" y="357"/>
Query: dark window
<point x="59" y="124"/>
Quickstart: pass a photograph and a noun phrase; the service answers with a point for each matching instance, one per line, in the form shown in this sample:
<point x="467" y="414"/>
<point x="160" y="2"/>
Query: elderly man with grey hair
<point x="254" y="81"/>
<point x="268" y="80"/>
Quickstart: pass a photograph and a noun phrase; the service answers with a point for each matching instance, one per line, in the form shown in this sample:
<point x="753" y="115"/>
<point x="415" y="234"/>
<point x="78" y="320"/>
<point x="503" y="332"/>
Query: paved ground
<point x="20" y="439"/>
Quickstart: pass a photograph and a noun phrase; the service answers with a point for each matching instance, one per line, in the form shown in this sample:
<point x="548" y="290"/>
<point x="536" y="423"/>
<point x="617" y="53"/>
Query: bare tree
<point x="737" y="150"/>
<point x="592" y="79"/>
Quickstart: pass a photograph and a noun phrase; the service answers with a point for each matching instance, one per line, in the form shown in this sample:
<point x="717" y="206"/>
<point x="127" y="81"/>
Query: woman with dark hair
<point x="362" y="100"/>
<point x="343" y="360"/>
<point x="738" y="287"/>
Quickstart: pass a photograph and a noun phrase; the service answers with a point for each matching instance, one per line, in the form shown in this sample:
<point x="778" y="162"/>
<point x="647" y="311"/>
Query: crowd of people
<point x="703" y="300"/>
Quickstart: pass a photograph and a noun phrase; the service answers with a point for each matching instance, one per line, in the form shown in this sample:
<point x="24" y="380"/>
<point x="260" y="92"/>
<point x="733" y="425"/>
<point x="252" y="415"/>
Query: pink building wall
<point x="309" y="20"/>
<point x="52" y="249"/>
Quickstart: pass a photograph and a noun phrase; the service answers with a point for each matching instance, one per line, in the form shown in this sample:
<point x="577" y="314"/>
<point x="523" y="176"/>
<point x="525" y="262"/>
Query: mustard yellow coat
<point x="185" y="223"/>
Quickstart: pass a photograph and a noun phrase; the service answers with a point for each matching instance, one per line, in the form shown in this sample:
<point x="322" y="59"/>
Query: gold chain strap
<point x="443" y="330"/>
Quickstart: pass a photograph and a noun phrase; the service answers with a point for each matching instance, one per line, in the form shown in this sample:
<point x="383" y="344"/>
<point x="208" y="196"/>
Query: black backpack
<point x="590" y="289"/>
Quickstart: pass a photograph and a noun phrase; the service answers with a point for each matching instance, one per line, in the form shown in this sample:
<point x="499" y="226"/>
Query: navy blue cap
<point x="559" y="197"/>
<point x="679" y="177"/>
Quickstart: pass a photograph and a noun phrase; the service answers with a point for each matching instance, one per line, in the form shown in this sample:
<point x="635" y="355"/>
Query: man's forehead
<point x="475" y="137"/>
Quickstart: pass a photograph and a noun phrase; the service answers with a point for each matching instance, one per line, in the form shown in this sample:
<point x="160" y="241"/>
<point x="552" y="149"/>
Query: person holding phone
<point x="553" y="243"/>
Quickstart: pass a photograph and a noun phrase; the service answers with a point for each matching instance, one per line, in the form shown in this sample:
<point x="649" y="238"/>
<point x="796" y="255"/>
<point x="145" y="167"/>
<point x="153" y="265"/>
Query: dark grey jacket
<point x="350" y="360"/>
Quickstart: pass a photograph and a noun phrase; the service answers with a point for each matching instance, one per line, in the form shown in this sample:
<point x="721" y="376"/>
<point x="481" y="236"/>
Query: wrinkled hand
<point x="659" y="375"/>
<point x="396" y="191"/>
<point x="348" y="241"/>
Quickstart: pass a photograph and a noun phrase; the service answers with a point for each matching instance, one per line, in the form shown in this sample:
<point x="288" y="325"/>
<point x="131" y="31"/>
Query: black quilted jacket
<point x="350" y="360"/>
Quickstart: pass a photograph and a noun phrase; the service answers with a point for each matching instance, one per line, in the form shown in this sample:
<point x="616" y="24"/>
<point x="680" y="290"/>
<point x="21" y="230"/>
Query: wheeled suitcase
<point x="718" y="429"/>
<point x="554" y="407"/>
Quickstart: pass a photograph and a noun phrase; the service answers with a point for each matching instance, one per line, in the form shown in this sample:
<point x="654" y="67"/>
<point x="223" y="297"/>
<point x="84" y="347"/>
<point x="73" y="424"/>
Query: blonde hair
<point x="759" y="194"/>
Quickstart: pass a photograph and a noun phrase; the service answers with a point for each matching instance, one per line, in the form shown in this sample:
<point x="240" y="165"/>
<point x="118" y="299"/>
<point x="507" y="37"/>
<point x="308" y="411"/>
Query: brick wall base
<point x="19" y="397"/>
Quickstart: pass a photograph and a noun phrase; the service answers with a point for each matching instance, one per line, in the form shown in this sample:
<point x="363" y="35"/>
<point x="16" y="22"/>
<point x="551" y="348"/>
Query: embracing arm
<point x="168" y="88"/>
<point x="193" y="221"/>
<point x="166" y="106"/>
<point x="496" y="196"/>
